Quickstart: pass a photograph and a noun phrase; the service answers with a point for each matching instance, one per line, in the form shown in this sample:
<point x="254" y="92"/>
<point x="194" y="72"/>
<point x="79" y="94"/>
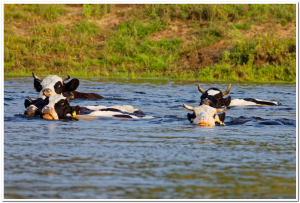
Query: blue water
<point x="162" y="158"/>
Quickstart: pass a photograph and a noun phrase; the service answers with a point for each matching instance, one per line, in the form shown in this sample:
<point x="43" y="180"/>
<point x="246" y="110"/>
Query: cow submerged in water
<point x="205" y="115"/>
<point x="213" y="97"/>
<point x="35" y="106"/>
<point x="216" y="97"/>
<point x="53" y="85"/>
<point x="57" y="107"/>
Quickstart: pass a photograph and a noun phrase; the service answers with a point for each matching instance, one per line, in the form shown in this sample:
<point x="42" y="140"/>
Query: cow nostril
<point x="31" y="110"/>
<point x="47" y="90"/>
<point x="203" y="118"/>
<point x="46" y="109"/>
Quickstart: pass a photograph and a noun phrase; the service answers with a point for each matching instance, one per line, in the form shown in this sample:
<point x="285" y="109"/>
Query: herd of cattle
<point x="55" y="94"/>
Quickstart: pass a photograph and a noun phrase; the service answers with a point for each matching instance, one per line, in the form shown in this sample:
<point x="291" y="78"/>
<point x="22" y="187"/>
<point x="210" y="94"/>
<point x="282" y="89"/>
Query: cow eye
<point x="62" y="103"/>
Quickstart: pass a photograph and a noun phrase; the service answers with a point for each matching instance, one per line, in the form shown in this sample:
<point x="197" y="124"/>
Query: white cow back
<point x="242" y="102"/>
<point x="124" y="108"/>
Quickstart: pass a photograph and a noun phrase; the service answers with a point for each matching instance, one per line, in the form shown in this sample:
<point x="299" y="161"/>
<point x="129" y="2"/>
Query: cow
<point x="58" y="107"/>
<point x="53" y="84"/>
<point x="35" y="106"/>
<point x="205" y="115"/>
<point x="218" y="118"/>
<point x="215" y="96"/>
<point x="217" y="101"/>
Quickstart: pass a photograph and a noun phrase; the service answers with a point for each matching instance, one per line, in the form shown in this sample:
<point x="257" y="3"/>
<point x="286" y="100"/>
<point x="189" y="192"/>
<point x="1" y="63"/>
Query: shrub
<point x="244" y="26"/>
<point x="283" y="22"/>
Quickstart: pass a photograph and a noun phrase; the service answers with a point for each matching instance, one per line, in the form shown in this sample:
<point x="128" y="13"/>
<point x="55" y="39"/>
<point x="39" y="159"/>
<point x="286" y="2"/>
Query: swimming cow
<point x="205" y="115"/>
<point x="58" y="107"/>
<point x="35" y="106"/>
<point x="215" y="96"/>
<point x="53" y="84"/>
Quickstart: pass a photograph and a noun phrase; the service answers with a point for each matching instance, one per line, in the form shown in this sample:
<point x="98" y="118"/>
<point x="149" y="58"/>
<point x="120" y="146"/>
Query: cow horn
<point x="31" y="99"/>
<point x="221" y="110"/>
<point x="188" y="107"/>
<point x="36" y="77"/>
<point x="227" y="91"/>
<point x="66" y="78"/>
<point x="200" y="89"/>
<point x="70" y="97"/>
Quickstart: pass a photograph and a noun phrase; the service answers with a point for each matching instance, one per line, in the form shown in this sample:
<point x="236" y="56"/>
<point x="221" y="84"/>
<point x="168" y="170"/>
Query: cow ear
<point x="72" y="85"/>
<point x="27" y="103"/>
<point x="222" y="116"/>
<point x="46" y="101"/>
<point x="37" y="85"/>
<point x="191" y="117"/>
<point x="227" y="101"/>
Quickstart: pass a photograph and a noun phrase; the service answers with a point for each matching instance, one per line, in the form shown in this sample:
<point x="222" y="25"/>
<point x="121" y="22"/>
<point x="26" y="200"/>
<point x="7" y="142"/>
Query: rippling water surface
<point x="165" y="157"/>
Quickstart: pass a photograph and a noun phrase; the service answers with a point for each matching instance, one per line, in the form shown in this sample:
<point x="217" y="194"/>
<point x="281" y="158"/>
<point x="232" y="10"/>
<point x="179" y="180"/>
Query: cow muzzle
<point x="206" y="102"/>
<point x="49" y="113"/>
<point x="203" y="121"/>
<point x="48" y="92"/>
<point x="30" y="111"/>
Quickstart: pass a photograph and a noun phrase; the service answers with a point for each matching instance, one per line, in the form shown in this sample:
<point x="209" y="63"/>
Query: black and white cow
<point x="35" y="106"/>
<point x="216" y="97"/>
<point x="58" y="107"/>
<point x="213" y="97"/>
<point x="53" y="84"/>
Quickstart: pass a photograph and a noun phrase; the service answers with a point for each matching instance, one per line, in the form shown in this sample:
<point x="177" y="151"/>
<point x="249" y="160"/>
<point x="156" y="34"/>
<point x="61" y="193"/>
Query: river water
<point x="161" y="158"/>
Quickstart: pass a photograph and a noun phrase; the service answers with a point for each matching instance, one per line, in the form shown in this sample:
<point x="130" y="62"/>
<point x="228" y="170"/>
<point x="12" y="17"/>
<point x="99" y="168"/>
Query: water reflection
<point x="51" y="126"/>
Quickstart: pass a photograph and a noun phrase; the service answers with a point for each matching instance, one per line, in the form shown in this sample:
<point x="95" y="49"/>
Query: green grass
<point x="283" y="22"/>
<point x="95" y="10"/>
<point x="264" y="73"/>
<point x="28" y="11"/>
<point x="56" y="42"/>
<point x="245" y="25"/>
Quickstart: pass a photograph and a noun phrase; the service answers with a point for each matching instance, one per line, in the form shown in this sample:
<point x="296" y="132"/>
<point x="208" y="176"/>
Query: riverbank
<point x="238" y="43"/>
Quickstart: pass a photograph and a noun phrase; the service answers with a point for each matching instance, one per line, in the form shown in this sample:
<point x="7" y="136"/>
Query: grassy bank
<point x="253" y="42"/>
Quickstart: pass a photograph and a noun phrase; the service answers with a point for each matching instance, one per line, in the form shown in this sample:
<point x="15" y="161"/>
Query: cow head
<point x="58" y="107"/>
<point x="205" y="115"/>
<point x="53" y="84"/>
<point x="34" y="106"/>
<point x="215" y="96"/>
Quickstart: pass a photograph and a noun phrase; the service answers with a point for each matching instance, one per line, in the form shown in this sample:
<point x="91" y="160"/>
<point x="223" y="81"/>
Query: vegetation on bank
<point x="74" y="39"/>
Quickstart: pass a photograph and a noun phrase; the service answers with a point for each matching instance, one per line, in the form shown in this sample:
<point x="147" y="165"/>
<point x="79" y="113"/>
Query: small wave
<point x="118" y="99"/>
<point x="260" y="121"/>
<point x="286" y="121"/>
